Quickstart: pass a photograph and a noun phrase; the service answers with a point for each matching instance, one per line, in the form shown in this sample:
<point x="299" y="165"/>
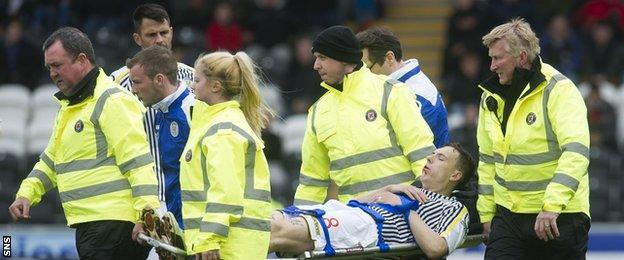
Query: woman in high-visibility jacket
<point x="224" y="175"/>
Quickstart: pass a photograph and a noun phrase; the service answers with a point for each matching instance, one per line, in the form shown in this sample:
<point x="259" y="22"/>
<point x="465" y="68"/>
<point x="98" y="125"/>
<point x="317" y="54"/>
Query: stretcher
<point x="410" y="249"/>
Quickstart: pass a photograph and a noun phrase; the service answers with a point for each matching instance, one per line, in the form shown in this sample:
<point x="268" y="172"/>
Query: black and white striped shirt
<point x="395" y="229"/>
<point x="444" y="215"/>
<point x="185" y="79"/>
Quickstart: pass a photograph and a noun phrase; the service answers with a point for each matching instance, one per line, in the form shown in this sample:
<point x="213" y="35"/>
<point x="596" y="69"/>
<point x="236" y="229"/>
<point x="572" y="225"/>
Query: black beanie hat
<point x="339" y="43"/>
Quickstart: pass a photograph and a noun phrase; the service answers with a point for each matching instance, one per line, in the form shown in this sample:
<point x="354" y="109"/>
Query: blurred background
<point x="582" y="39"/>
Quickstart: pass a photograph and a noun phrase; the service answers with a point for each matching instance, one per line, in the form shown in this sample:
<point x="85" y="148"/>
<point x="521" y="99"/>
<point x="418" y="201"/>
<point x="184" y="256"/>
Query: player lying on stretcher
<point x="395" y="214"/>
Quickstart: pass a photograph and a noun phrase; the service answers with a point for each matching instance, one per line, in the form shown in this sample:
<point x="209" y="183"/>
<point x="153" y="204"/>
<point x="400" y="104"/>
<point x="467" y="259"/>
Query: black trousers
<point x="512" y="237"/>
<point x="108" y="239"/>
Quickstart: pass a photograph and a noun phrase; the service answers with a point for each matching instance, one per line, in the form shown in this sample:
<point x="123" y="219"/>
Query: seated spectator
<point x="395" y="214"/>
<point x="302" y="81"/>
<point x="223" y="33"/>
<point x="268" y="28"/>
<point x="460" y="88"/>
<point x="595" y="11"/>
<point x="560" y="46"/>
<point x="465" y="27"/>
<point x="602" y="120"/>
<point x="600" y="49"/>
<point x="19" y="59"/>
<point x="611" y="93"/>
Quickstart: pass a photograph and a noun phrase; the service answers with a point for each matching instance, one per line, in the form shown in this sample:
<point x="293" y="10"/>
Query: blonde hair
<point x="240" y="82"/>
<point x="519" y="37"/>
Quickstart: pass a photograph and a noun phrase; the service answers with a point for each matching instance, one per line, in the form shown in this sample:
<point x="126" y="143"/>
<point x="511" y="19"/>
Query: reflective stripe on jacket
<point x="541" y="162"/>
<point x="224" y="178"/>
<point x="98" y="157"/>
<point x="365" y="137"/>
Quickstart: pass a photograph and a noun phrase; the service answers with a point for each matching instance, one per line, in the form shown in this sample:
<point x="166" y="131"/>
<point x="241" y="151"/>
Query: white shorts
<point x="348" y="227"/>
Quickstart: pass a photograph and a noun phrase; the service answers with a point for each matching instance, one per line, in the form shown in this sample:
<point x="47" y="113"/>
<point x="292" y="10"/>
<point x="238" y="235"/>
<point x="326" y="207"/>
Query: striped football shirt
<point x="444" y="215"/>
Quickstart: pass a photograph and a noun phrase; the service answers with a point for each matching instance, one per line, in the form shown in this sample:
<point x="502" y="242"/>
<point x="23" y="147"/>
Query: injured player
<point x="395" y="214"/>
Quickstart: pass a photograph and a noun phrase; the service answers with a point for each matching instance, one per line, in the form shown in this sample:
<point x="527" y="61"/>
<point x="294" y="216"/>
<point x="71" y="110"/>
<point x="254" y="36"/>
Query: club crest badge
<point x="174" y="129"/>
<point x="78" y="126"/>
<point x="188" y="156"/>
<point x="530" y="119"/>
<point x="371" y="115"/>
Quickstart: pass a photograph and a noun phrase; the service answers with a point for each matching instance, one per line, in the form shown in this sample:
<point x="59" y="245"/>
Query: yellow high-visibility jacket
<point x="98" y="157"/>
<point x="224" y="177"/>
<point x="365" y="137"/>
<point x="541" y="162"/>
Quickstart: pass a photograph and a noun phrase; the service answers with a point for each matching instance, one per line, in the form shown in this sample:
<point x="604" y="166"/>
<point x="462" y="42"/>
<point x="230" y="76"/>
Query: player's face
<point x="331" y="71"/>
<point x="143" y="86"/>
<point x="153" y="32"/>
<point x="65" y="71"/>
<point x="440" y="165"/>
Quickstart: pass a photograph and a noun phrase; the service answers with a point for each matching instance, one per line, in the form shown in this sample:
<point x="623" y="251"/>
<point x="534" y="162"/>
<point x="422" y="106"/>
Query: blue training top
<point x="172" y="127"/>
<point x="431" y="105"/>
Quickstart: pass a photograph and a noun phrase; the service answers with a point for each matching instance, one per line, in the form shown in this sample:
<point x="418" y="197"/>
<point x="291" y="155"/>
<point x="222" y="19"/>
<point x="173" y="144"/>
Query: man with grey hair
<point x="97" y="157"/>
<point x="534" y="151"/>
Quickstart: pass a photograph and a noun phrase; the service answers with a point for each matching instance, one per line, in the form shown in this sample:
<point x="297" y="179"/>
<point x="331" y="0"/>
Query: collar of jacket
<point x="164" y="104"/>
<point x="340" y="87"/>
<point x="211" y="110"/>
<point x="534" y="77"/>
<point x="85" y="88"/>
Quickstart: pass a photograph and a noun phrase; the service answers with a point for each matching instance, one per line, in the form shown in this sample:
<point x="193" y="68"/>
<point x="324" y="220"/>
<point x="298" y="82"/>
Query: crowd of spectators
<point x="582" y="39"/>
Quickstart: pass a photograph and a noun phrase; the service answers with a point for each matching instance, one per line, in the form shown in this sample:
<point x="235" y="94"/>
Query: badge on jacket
<point x="188" y="156"/>
<point x="78" y="126"/>
<point x="174" y="129"/>
<point x="371" y="115"/>
<point x="530" y="119"/>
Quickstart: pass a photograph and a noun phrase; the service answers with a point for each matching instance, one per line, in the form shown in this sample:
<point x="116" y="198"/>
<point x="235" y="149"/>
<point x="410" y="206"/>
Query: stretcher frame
<point x="161" y="245"/>
<point x="375" y="252"/>
<point x="351" y="253"/>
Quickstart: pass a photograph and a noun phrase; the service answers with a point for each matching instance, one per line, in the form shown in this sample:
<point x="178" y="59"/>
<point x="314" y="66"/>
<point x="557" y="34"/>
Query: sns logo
<point x="6" y="246"/>
<point x="331" y="222"/>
